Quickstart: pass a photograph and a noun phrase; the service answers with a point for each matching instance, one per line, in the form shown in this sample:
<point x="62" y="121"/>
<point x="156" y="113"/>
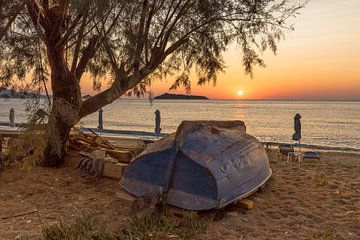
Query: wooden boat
<point x="204" y="165"/>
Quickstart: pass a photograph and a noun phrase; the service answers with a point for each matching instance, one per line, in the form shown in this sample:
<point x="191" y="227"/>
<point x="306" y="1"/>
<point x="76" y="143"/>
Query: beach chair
<point x="311" y="155"/>
<point x="294" y="155"/>
<point x="289" y="151"/>
<point x="285" y="149"/>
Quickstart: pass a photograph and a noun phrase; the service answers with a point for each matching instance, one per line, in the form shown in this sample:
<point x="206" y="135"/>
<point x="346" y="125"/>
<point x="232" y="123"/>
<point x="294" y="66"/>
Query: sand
<point x="317" y="199"/>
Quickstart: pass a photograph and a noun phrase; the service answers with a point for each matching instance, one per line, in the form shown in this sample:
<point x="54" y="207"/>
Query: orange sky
<point x="319" y="60"/>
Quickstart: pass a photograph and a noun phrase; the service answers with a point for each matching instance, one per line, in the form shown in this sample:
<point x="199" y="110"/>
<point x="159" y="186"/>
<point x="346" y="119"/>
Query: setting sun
<point x="240" y="93"/>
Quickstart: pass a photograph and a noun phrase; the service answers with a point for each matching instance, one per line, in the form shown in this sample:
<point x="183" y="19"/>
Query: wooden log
<point x="121" y="156"/>
<point x="99" y="142"/>
<point x="129" y="143"/>
<point x="245" y="203"/>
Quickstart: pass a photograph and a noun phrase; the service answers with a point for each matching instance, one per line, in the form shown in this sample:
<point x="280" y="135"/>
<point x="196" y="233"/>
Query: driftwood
<point x="97" y="156"/>
<point x="89" y="142"/>
<point x="19" y="214"/>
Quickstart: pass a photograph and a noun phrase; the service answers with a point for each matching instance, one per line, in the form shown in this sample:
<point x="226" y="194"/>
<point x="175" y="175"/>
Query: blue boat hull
<point x="201" y="167"/>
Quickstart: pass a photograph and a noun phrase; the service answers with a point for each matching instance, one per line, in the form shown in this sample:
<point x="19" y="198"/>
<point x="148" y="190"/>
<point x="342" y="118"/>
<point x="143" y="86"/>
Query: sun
<point x="240" y="93"/>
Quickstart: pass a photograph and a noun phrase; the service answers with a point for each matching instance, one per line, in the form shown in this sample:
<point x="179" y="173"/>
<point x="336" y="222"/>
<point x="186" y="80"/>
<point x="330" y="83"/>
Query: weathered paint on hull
<point x="200" y="171"/>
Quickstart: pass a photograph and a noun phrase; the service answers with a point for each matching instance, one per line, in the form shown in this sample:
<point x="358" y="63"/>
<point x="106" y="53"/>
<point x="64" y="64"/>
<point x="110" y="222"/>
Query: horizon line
<point x="258" y="99"/>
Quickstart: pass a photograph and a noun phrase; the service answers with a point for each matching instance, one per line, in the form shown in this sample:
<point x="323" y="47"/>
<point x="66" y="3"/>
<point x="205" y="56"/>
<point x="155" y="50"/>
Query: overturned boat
<point x="204" y="165"/>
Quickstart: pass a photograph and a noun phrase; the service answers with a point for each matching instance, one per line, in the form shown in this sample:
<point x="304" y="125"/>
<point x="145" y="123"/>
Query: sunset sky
<point x="319" y="60"/>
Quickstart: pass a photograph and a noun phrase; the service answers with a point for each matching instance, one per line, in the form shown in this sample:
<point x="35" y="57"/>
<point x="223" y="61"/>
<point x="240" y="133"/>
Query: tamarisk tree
<point x="129" y="43"/>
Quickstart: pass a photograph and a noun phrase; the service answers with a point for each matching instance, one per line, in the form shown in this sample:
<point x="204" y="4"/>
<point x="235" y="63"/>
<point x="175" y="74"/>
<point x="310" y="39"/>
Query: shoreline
<point x="150" y="136"/>
<point x="318" y="147"/>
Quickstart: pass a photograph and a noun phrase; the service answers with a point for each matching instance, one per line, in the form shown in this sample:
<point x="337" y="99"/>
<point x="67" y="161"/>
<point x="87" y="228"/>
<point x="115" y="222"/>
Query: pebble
<point x="232" y="214"/>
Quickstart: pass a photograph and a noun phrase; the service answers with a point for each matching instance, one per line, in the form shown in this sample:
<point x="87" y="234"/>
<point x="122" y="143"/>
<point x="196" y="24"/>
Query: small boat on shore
<point x="204" y="165"/>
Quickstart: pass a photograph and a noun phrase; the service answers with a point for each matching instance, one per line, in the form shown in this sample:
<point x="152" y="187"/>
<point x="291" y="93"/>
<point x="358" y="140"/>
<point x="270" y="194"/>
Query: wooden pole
<point x="1" y="142"/>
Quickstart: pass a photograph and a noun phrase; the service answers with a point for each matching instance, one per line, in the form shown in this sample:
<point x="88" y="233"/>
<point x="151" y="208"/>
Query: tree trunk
<point x="65" y="108"/>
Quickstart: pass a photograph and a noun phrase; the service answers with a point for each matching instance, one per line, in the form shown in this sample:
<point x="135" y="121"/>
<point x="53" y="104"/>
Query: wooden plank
<point x="121" y="156"/>
<point x="132" y="143"/>
<point x="125" y="197"/>
<point x="19" y="214"/>
<point x="245" y="203"/>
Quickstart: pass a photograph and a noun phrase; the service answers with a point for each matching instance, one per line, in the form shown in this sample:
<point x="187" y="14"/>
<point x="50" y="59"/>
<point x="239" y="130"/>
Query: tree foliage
<point x="130" y="43"/>
<point x="136" y="41"/>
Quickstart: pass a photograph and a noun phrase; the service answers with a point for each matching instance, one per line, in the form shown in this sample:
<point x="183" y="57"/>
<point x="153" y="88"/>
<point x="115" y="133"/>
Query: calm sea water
<point x="334" y="124"/>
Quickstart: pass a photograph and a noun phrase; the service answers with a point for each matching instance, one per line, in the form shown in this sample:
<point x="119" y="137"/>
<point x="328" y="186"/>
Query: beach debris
<point x="285" y="149"/>
<point x="93" y="162"/>
<point x="204" y="165"/>
<point x="146" y="205"/>
<point x="26" y="146"/>
<point x="97" y="156"/>
<point x="21" y="214"/>
<point x="312" y="155"/>
<point x="93" y="167"/>
<point x="18" y="237"/>
<point x="93" y="143"/>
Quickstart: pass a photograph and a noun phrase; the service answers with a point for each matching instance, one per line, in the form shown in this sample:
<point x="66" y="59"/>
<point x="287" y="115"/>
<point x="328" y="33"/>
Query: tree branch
<point x="37" y="14"/>
<point x="88" y="53"/>
<point x="78" y="42"/>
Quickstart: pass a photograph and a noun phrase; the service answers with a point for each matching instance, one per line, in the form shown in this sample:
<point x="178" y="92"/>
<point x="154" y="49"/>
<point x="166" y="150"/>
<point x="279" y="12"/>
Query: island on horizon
<point x="180" y="96"/>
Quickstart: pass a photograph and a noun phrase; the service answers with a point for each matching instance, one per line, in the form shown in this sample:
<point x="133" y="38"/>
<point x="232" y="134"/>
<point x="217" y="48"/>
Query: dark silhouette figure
<point x="297" y="127"/>
<point x="12" y="117"/>
<point x="101" y="125"/>
<point x="157" y="122"/>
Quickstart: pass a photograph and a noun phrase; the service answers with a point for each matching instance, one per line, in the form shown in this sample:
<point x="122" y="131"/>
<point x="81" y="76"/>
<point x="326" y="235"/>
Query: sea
<point x="333" y="125"/>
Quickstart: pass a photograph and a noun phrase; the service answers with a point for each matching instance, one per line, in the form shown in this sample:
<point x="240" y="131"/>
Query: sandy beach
<point x="317" y="199"/>
<point x="187" y="105"/>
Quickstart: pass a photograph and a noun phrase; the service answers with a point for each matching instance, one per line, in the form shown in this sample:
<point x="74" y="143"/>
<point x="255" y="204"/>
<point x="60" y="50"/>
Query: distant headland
<point x="11" y="93"/>
<point x="180" y="96"/>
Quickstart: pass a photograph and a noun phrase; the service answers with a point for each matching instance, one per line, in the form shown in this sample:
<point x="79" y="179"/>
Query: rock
<point x="245" y="203"/>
